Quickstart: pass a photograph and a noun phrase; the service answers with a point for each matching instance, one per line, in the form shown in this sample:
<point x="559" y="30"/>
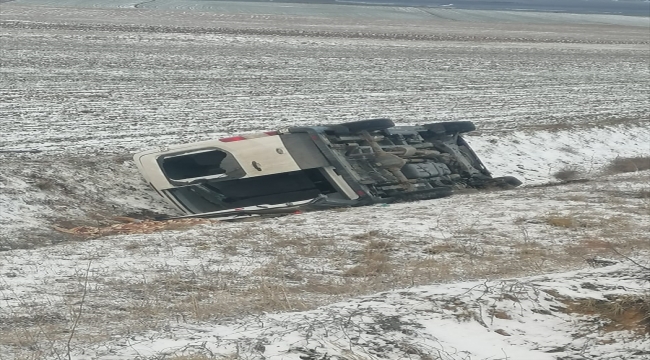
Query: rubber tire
<point x="451" y="127"/>
<point x="368" y="125"/>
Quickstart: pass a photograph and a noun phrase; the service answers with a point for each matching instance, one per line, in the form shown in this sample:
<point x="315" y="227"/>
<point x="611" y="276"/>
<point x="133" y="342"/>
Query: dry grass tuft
<point x="274" y="297"/>
<point x="133" y="245"/>
<point x="374" y="260"/>
<point x="628" y="164"/>
<point x="379" y="245"/>
<point x="191" y="357"/>
<point x="134" y="227"/>
<point x="499" y="314"/>
<point x="595" y="244"/>
<point x="373" y="264"/>
<point x="368" y="235"/>
<point x="441" y="248"/>
<point x="568" y="173"/>
<point x="201" y="356"/>
<point x="644" y="194"/>
<point x="577" y="198"/>
<point x="563" y="221"/>
<point x="329" y="287"/>
<point x="428" y="270"/>
<point x="588" y="248"/>
<point x="618" y="313"/>
<point x="530" y="249"/>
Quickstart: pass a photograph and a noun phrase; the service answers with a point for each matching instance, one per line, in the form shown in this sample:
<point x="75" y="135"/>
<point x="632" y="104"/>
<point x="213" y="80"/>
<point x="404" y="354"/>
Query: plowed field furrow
<point x="130" y="89"/>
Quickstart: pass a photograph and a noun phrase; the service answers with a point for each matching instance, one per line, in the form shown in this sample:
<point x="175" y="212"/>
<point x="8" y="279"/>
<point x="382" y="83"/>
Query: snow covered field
<point x="496" y="275"/>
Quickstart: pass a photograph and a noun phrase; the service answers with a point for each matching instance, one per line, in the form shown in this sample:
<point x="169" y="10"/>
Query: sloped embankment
<point x="39" y="191"/>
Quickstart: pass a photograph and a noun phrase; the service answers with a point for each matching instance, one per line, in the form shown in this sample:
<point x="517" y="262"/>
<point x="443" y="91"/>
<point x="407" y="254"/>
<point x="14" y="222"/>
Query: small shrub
<point x="628" y="164"/>
<point x="45" y="184"/>
<point x="568" y="173"/>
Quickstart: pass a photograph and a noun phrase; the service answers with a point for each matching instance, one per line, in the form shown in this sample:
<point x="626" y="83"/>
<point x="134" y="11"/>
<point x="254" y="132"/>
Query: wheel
<point x="451" y="127"/>
<point x="368" y="125"/>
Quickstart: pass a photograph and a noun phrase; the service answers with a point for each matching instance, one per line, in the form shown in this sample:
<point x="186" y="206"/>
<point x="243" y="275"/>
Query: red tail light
<point x="249" y="136"/>
<point x="231" y="139"/>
